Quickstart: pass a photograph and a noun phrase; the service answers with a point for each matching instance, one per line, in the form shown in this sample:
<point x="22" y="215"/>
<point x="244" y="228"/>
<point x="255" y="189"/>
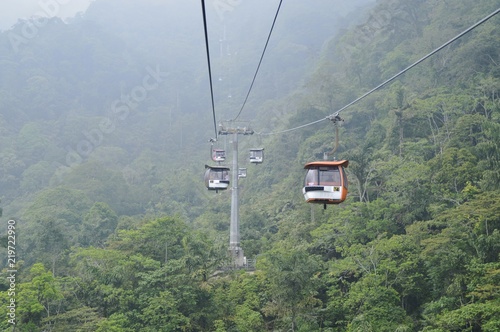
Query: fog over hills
<point x="106" y="128"/>
<point x="74" y="75"/>
<point x="13" y="10"/>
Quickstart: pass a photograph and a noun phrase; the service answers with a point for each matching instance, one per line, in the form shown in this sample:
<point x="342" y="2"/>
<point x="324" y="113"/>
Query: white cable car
<point x="256" y="156"/>
<point x="325" y="182"/>
<point x="216" y="177"/>
<point x="218" y="155"/>
<point x="242" y="173"/>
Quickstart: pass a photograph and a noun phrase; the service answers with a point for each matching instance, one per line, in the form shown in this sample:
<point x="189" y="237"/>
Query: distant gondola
<point x="256" y="156"/>
<point x="218" y="155"/>
<point x="216" y="177"/>
<point x="325" y="182"/>
<point x="242" y="173"/>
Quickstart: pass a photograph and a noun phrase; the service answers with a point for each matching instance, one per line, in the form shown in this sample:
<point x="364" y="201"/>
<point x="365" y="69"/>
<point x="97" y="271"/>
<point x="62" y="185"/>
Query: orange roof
<point x="314" y="164"/>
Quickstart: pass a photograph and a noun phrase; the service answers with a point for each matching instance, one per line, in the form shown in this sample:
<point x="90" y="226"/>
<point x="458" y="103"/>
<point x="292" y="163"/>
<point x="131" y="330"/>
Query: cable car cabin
<point x="325" y="182"/>
<point x="242" y="173"/>
<point x="216" y="177"/>
<point x="218" y="155"/>
<point x="256" y="156"/>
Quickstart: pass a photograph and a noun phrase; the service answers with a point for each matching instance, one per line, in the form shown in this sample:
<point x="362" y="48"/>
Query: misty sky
<point x="12" y="10"/>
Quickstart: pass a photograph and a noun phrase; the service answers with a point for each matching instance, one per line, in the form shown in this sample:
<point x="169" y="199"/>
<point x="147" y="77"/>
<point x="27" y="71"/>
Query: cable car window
<point x="312" y="177"/>
<point x="344" y="176"/>
<point x="219" y="175"/>
<point x="329" y="177"/>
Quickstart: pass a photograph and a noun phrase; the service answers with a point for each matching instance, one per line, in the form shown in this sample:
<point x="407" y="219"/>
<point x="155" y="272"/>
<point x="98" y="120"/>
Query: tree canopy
<point x="104" y="129"/>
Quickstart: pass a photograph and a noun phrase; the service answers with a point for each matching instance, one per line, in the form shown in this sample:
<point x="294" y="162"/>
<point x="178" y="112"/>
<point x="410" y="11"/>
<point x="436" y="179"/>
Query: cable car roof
<point x="316" y="164"/>
<point x="218" y="168"/>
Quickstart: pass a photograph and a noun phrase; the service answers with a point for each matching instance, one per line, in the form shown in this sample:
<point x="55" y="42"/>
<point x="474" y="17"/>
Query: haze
<point x="12" y="10"/>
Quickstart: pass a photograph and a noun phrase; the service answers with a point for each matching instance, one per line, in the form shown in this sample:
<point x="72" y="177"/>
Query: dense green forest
<point x="105" y="123"/>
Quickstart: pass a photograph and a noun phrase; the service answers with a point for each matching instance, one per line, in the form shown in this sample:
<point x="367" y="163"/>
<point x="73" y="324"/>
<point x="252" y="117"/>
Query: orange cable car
<point x="325" y="182"/>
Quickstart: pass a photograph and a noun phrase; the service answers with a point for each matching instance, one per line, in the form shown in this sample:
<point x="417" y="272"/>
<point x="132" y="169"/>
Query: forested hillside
<point x="104" y="129"/>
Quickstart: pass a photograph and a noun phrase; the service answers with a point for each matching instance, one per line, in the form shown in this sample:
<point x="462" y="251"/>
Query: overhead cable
<point x="260" y="61"/>
<point x="209" y="65"/>
<point x="393" y="77"/>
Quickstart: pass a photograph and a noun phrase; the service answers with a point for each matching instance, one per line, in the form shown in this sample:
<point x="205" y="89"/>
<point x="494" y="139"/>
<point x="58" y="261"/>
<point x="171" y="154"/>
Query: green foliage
<point x="55" y="217"/>
<point x="292" y="277"/>
<point x="162" y="313"/>
<point x="98" y="224"/>
<point x="39" y="297"/>
<point x="115" y="231"/>
<point x="103" y="185"/>
<point x="82" y="319"/>
<point x="114" y="323"/>
<point x="154" y="239"/>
